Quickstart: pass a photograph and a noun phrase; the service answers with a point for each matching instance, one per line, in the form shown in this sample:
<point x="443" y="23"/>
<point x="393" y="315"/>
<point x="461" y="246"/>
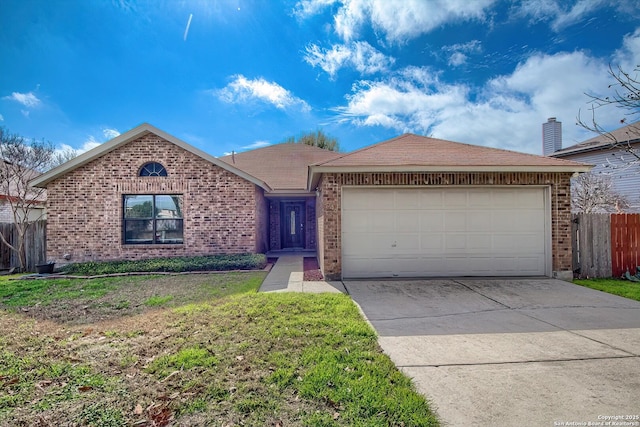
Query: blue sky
<point x="232" y="74"/>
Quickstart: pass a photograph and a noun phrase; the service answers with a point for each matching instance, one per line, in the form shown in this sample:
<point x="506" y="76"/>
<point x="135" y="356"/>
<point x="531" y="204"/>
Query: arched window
<point x="153" y="169"/>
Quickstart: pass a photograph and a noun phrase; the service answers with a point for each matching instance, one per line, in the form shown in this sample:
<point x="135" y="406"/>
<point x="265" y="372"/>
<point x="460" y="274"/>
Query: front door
<point x="292" y="224"/>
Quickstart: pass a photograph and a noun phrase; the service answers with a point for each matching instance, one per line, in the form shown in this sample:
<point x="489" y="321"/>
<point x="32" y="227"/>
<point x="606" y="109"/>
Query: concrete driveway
<point x="511" y="352"/>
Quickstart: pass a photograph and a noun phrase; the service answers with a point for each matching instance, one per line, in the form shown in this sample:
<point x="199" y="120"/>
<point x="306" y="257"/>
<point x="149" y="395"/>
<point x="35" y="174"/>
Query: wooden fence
<point x="35" y="245"/>
<point x="605" y="245"/>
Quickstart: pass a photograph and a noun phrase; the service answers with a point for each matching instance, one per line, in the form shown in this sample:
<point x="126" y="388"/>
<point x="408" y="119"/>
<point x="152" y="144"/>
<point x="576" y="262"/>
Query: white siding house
<point x="609" y="159"/>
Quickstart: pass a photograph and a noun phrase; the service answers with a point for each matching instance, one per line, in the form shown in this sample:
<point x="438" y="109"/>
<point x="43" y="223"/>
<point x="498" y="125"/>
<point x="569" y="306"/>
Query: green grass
<point x="623" y="288"/>
<point x="23" y="376"/>
<point x="29" y="292"/>
<point x="319" y="348"/>
<point x="228" y="356"/>
<point x="158" y="300"/>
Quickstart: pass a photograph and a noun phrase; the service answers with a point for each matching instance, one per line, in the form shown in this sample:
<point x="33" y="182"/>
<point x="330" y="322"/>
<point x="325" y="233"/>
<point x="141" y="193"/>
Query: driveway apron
<point x="511" y="352"/>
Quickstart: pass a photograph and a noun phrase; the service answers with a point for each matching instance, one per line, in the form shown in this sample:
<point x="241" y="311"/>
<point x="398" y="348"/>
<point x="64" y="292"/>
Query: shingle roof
<point x="626" y="134"/>
<point x="281" y="166"/>
<point x="413" y="150"/>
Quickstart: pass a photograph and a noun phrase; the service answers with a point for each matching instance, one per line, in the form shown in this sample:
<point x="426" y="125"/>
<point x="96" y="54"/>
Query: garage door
<point x="444" y="232"/>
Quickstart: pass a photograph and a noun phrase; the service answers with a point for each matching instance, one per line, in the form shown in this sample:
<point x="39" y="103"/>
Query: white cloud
<point x="628" y="56"/>
<point x="110" y="133"/>
<point x="458" y="52"/>
<point x="562" y="14"/>
<point x="507" y="111"/>
<point x="87" y="145"/>
<point x="29" y="100"/>
<point x="306" y="8"/>
<point x="575" y="14"/>
<point x="257" y="144"/>
<point x="242" y="90"/>
<point x="359" y="55"/>
<point x="397" y="20"/>
<point x="1" y="118"/>
<point x="252" y="146"/>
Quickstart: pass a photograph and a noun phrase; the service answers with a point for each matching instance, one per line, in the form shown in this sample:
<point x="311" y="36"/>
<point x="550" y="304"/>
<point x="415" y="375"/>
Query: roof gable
<point x="284" y="167"/>
<point x="629" y="134"/>
<point x="128" y="137"/>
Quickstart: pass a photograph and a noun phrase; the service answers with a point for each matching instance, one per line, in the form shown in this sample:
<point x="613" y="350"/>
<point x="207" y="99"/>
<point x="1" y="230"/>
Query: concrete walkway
<point x="511" y="352"/>
<point x="287" y="276"/>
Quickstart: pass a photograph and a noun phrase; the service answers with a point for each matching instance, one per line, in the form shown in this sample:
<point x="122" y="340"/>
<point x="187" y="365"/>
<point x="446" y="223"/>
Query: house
<point x="16" y="198"/>
<point x="610" y="159"/>
<point x="409" y="206"/>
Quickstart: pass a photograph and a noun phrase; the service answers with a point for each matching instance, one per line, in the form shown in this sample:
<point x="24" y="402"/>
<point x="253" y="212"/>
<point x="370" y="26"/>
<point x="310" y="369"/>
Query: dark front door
<point x="292" y="224"/>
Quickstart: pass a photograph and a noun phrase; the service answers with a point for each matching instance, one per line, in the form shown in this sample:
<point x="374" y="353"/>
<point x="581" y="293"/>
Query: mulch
<point x="311" y="270"/>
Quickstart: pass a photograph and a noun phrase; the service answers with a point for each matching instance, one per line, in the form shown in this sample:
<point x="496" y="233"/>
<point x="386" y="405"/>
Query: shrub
<point x="175" y="265"/>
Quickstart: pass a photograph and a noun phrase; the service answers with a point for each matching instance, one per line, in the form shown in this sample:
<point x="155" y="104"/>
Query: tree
<point x="317" y="139"/>
<point x="626" y="97"/>
<point x="20" y="162"/>
<point x="595" y="194"/>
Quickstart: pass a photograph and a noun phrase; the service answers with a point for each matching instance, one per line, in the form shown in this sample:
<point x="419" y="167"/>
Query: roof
<point x="127" y="137"/>
<point x="415" y="153"/>
<point x="284" y="167"/>
<point x="627" y="134"/>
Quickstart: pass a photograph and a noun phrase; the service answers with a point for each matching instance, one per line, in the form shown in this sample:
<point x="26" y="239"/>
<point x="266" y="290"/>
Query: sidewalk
<point x="287" y="276"/>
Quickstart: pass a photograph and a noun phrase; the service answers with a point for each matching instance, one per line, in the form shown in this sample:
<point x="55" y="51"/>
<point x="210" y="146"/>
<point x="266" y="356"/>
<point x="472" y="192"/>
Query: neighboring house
<point x="612" y="160"/>
<point x="10" y="191"/>
<point x="411" y="206"/>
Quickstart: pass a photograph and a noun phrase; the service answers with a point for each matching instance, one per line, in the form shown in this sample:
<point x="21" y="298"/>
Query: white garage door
<point x="444" y="232"/>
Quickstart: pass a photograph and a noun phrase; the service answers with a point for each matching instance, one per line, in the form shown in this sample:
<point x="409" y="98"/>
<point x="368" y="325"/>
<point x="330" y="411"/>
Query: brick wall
<point x="330" y="201"/>
<point x="85" y="205"/>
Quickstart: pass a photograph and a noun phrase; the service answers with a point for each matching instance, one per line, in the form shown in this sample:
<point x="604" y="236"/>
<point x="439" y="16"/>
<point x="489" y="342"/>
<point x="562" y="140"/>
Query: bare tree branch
<point x="595" y="194"/>
<point x="20" y="162"/>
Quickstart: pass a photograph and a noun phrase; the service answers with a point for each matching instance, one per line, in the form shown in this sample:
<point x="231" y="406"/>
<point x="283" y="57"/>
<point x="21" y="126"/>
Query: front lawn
<point x="623" y="288"/>
<point x="193" y="350"/>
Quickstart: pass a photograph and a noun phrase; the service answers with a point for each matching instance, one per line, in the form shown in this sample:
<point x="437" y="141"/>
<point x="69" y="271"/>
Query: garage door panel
<point x="481" y="221"/>
<point x="367" y="244"/>
<point x="505" y="199"/>
<point x="481" y="198"/>
<point x="455" y="221"/>
<point x="407" y="199"/>
<point x="357" y="201"/>
<point x="455" y="199"/>
<point x="382" y="221"/>
<point x="408" y="221"/>
<point x="431" y="243"/>
<point x="529" y="221"/>
<point x="529" y="200"/>
<point x="407" y="242"/>
<point x="432" y="200"/>
<point x="480" y="242"/>
<point x="445" y="232"/>
<point x="455" y="243"/>
<point x="432" y="221"/>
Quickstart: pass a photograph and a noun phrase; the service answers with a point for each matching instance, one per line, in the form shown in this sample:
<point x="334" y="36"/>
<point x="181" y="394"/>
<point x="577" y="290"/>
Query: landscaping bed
<point x="175" y="264"/>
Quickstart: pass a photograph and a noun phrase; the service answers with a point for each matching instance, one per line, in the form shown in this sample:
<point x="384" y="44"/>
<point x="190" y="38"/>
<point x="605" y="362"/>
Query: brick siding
<point x="85" y="205"/>
<point x="330" y="201"/>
